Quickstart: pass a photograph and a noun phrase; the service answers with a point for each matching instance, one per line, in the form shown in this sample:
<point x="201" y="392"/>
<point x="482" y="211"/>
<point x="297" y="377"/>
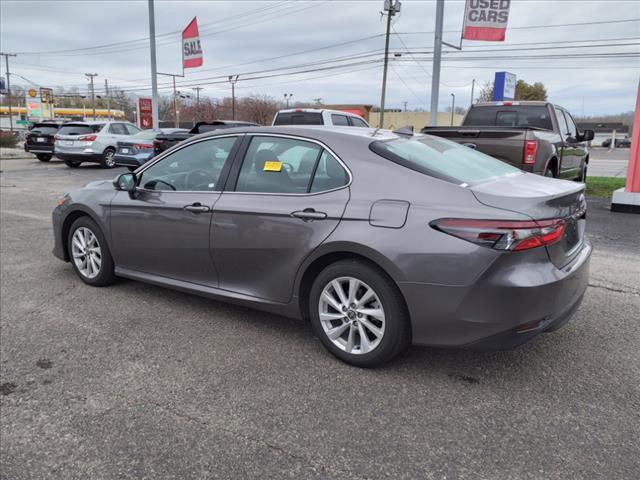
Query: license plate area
<point x="41" y="139"/>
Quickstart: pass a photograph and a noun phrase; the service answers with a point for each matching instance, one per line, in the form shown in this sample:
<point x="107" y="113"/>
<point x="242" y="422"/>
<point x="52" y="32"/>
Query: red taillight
<point x="530" y="150"/>
<point x="512" y="235"/>
<point x="508" y="104"/>
<point x="142" y="146"/>
<point x="87" y="138"/>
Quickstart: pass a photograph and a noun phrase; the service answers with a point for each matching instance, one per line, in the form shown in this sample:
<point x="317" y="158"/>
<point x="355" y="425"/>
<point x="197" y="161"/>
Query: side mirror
<point x="587" y="135"/>
<point x="126" y="182"/>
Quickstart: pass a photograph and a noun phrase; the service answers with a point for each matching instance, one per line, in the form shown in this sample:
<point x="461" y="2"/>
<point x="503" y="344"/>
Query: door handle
<point x="196" y="208"/>
<point x="309" y="214"/>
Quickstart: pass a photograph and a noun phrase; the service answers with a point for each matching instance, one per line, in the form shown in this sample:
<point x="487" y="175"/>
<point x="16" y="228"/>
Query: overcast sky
<point x="241" y="37"/>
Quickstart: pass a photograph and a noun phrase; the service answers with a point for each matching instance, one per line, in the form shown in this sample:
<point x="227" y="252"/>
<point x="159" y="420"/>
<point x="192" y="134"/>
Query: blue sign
<point x="504" y="86"/>
<point x="3" y="87"/>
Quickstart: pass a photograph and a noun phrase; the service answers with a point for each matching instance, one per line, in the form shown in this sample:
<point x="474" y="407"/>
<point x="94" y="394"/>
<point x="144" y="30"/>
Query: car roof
<point x="317" y="110"/>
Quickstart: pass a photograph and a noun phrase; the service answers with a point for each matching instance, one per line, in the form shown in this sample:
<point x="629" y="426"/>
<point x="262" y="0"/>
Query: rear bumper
<point x="504" y="308"/>
<point x="132" y="160"/>
<point x="48" y="149"/>
<point x="79" y="157"/>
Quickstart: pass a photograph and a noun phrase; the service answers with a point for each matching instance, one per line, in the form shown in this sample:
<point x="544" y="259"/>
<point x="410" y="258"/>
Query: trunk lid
<point x="541" y="198"/>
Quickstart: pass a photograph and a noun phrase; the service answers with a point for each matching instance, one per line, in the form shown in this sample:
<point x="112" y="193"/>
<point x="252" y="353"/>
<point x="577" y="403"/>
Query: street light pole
<point x="287" y="97"/>
<point x="6" y="63"/>
<point x="155" y="122"/>
<point x="437" y="55"/>
<point x="233" y="79"/>
<point x="93" y="96"/>
<point x="197" y="89"/>
<point x="473" y="84"/>
<point x="453" y="106"/>
<point x="391" y="7"/>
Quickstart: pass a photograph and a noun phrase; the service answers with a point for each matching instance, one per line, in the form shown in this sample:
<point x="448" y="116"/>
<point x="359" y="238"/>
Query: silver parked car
<point x="379" y="239"/>
<point x="96" y="142"/>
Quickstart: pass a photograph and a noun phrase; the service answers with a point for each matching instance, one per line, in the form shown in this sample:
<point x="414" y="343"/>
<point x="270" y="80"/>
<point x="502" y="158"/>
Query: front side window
<point x="573" y="131"/>
<point x="358" y="122"/>
<point x="194" y="168"/>
<point x="562" y="123"/>
<point x="287" y="165"/>
<point x="442" y="159"/>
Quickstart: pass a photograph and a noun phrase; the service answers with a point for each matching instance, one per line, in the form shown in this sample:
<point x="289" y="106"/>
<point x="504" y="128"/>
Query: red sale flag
<point x="486" y="20"/>
<point x="191" y="48"/>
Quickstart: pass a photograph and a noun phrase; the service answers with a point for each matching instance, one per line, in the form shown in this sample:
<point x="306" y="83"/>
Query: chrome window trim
<point x="304" y="139"/>
<point x="168" y="154"/>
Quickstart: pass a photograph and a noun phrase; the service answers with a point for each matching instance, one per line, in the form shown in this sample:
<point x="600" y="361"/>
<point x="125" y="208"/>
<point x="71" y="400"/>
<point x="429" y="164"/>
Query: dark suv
<point x="40" y="140"/>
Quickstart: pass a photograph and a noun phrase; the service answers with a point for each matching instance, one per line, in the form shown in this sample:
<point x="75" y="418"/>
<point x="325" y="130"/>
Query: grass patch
<point x="603" y="186"/>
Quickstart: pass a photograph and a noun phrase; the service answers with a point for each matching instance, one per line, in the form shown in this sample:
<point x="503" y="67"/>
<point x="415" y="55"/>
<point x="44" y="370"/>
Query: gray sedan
<point x="379" y="239"/>
<point x="138" y="149"/>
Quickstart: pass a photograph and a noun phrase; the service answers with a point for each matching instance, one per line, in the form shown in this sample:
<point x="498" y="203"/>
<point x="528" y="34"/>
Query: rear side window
<point x="288" y="165"/>
<point x="132" y="129"/>
<point x="299" y="118"/>
<point x="118" y="129"/>
<point x="339" y="120"/>
<point x="79" y="129"/>
<point x="442" y="159"/>
<point x="358" y="122"/>
<point x="510" y="116"/>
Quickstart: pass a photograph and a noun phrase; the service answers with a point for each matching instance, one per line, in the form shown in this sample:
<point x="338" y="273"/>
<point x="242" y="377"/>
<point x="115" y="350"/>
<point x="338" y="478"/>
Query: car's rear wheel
<point x="358" y="314"/>
<point x="43" y="157"/>
<point x="72" y="163"/>
<point x="107" y="158"/>
<point x="89" y="253"/>
<point x="549" y="172"/>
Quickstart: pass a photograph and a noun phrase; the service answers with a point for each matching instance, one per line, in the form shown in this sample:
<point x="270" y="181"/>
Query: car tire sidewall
<point x="106" y="275"/>
<point x="397" y="334"/>
<point x="109" y="153"/>
<point x="43" y="157"/>
<point x="71" y="163"/>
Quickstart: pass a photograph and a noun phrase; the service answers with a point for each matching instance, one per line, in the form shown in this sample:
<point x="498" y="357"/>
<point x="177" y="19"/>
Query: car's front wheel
<point x="107" y="158"/>
<point x="89" y="253"/>
<point x="43" y="157"/>
<point x="359" y="314"/>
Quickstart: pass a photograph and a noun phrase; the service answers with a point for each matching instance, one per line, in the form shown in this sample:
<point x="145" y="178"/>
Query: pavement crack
<point x="631" y="291"/>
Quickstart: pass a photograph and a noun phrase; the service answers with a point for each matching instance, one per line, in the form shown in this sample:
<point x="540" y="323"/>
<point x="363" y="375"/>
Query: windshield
<point x="44" y="128"/>
<point x="79" y="129"/>
<point x="536" y="116"/>
<point x="145" y="135"/>
<point x="442" y="159"/>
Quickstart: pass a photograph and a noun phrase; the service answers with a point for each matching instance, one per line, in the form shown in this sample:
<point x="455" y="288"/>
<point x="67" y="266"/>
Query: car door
<point x="567" y="160"/>
<point x="164" y="228"/>
<point x="577" y="147"/>
<point x="288" y="194"/>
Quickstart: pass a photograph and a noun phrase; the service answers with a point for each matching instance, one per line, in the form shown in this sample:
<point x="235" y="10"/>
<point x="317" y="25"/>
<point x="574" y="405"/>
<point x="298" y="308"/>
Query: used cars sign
<point x="486" y="20"/>
<point x="191" y="48"/>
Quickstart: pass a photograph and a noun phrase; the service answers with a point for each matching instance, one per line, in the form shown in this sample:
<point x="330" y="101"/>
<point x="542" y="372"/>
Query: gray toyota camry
<point x="379" y="239"/>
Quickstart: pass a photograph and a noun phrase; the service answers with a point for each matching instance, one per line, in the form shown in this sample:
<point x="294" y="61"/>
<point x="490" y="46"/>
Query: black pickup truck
<point x="164" y="141"/>
<point x="40" y="139"/>
<point x="537" y="137"/>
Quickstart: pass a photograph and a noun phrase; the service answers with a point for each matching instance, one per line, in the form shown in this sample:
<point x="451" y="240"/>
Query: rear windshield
<point x="145" y="135"/>
<point x="73" y="129"/>
<point x="44" y="128"/>
<point x="442" y="159"/>
<point x="299" y="118"/>
<point x="510" y="116"/>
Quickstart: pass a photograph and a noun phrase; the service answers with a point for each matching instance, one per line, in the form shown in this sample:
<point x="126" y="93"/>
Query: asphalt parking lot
<point x="608" y="163"/>
<point x="136" y="381"/>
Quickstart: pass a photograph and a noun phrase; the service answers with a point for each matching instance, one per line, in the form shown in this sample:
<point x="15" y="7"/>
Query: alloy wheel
<point x="86" y="252"/>
<point x="108" y="158"/>
<point x="351" y="315"/>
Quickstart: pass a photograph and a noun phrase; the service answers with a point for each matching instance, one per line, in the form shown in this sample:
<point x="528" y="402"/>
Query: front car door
<point x="164" y="228"/>
<point x="567" y="160"/>
<point x="577" y="147"/>
<point x="288" y="194"/>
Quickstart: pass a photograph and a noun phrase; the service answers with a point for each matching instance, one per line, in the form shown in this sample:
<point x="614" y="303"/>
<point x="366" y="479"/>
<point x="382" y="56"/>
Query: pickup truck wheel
<point x="549" y="173"/>
<point x="107" y="158"/>
<point x="43" y="157"/>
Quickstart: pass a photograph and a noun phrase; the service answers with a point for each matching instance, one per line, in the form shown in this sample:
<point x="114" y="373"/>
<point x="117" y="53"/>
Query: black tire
<point x="72" y="163"/>
<point x="549" y="172"/>
<point x="107" y="158"/>
<point x="106" y="274"/>
<point x="583" y="174"/>
<point x="43" y="157"/>
<point x="397" y="330"/>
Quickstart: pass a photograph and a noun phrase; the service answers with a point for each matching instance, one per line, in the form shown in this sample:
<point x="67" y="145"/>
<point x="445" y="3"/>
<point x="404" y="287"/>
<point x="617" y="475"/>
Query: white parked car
<point x="318" y="116"/>
<point x="96" y="142"/>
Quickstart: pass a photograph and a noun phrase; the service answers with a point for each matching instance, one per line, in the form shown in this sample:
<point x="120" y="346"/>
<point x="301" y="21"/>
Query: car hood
<point x="99" y="184"/>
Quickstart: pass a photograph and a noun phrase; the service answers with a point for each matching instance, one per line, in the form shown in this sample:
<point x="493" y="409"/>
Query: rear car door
<point x="288" y="194"/>
<point x="164" y="228"/>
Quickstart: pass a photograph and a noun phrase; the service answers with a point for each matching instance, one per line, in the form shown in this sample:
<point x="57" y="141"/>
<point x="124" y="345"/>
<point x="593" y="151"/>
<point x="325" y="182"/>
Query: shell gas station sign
<point x="39" y="103"/>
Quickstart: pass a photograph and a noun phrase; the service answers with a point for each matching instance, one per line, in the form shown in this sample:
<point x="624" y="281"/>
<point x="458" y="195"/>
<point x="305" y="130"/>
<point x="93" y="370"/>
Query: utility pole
<point x="404" y="106"/>
<point x="287" y="97"/>
<point x="154" y="73"/>
<point x="176" y="122"/>
<point x="93" y="96"/>
<point x="453" y="106"/>
<point x="391" y="7"/>
<point x="106" y="89"/>
<point x="437" y="55"/>
<point x="473" y="84"/>
<point x="197" y="89"/>
<point x="233" y="79"/>
<point x="6" y="63"/>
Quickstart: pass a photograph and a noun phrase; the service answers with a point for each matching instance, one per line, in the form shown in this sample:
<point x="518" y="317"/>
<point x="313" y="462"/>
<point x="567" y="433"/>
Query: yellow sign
<point x="272" y="166"/>
<point x="33" y="93"/>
